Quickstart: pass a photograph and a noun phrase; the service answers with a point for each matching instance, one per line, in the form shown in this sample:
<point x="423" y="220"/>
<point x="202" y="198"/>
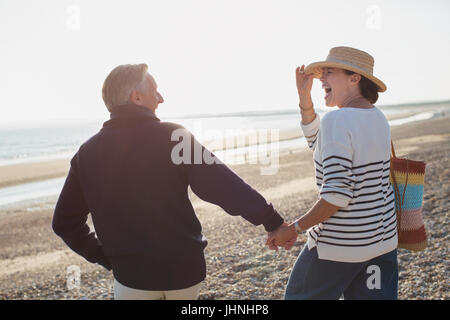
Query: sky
<point x="211" y="56"/>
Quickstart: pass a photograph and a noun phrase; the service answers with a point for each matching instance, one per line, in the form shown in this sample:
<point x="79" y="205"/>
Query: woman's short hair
<point x="369" y="89"/>
<point x="121" y="82"/>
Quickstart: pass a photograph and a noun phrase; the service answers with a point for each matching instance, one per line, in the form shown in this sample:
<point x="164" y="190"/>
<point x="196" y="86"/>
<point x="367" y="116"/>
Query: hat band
<point x="365" y="68"/>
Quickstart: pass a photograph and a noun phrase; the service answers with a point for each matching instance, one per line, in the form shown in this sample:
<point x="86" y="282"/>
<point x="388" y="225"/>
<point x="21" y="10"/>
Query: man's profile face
<point x="150" y="98"/>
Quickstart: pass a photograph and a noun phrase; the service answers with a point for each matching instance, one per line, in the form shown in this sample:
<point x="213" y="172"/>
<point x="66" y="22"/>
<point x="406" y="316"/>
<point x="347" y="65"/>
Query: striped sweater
<point x="352" y="160"/>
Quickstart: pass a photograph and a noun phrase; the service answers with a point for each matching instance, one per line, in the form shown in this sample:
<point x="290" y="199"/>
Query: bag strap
<point x="392" y="150"/>
<point x="401" y="200"/>
<point x="407" y="173"/>
<point x="398" y="207"/>
<point x="406" y="182"/>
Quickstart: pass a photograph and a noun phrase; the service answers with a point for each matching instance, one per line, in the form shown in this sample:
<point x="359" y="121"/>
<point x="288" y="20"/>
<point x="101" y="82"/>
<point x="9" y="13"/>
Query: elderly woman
<point x="352" y="228"/>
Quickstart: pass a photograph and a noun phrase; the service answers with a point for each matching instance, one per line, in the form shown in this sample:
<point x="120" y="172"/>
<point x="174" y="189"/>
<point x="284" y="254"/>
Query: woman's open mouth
<point x="327" y="92"/>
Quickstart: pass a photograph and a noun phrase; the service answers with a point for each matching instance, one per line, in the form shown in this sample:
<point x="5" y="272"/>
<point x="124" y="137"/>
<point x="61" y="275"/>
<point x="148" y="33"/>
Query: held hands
<point x="285" y="236"/>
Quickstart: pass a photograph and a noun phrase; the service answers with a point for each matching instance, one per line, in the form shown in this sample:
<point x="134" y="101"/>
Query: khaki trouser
<point x="122" y="292"/>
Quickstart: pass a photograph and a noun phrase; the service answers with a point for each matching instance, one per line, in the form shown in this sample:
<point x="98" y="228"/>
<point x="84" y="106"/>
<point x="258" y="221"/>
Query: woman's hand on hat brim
<point x="304" y="81"/>
<point x="304" y="86"/>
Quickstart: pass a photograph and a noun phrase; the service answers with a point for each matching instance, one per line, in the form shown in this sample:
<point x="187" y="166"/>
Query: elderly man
<point x="146" y="229"/>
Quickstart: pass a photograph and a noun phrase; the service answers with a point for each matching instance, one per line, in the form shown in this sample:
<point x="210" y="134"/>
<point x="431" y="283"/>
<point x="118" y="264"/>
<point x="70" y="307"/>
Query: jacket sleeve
<point x="214" y="182"/>
<point x="70" y="221"/>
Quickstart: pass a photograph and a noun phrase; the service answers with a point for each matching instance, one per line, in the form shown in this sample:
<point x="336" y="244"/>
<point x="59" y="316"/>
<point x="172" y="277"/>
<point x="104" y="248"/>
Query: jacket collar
<point x="132" y="111"/>
<point x="120" y="114"/>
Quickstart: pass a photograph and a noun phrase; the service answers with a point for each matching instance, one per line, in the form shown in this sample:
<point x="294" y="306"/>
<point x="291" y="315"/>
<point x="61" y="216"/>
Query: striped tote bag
<point x="407" y="179"/>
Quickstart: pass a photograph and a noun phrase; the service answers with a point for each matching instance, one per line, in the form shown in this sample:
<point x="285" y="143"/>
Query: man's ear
<point x="135" y="97"/>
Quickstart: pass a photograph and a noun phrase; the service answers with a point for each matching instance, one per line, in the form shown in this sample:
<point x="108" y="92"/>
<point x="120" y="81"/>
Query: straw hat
<point x="350" y="59"/>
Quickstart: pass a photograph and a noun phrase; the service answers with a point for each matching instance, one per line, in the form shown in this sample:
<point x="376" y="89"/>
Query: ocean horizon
<point x="50" y="140"/>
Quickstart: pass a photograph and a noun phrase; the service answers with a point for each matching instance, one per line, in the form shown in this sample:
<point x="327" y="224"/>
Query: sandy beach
<point x="34" y="261"/>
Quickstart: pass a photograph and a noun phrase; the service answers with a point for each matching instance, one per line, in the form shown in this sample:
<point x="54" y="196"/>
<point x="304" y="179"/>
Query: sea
<point x="37" y="142"/>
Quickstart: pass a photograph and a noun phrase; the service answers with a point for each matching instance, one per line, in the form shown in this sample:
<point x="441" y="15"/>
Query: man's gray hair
<point x="121" y="82"/>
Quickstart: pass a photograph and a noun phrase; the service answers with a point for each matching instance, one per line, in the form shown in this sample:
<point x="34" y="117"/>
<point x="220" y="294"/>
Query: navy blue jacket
<point x="137" y="196"/>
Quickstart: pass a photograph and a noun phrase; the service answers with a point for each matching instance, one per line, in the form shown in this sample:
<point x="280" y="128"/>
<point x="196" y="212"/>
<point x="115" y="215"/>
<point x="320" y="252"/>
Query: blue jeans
<point x="314" y="278"/>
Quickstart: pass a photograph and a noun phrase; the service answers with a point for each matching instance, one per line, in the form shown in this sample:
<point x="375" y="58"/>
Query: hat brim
<point x="316" y="69"/>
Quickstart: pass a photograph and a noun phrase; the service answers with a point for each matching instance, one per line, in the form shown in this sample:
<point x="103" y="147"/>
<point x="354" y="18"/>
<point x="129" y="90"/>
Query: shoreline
<point x="29" y="172"/>
<point x="15" y="174"/>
